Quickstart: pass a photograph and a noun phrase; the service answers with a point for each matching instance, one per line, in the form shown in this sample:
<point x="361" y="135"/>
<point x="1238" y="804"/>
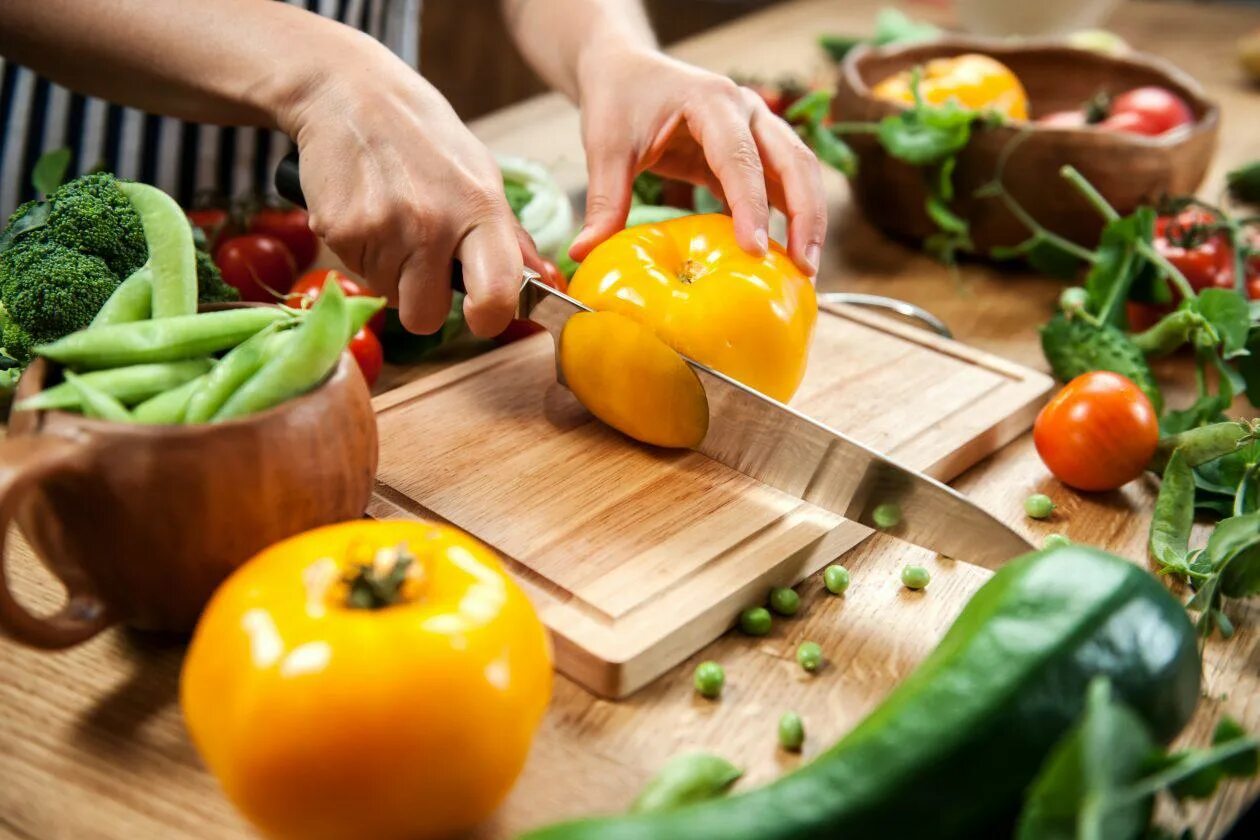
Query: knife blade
<point x="784" y="449"/>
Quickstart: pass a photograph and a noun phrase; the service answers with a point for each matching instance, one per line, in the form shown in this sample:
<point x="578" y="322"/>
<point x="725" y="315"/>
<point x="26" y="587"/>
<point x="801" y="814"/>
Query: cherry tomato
<point x="213" y="223"/>
<point x="520" y="328"/>
<point x="289" y="225"/>
<point x="1098" y="433"/>
<point x="260" y="267"/>
<point x="1148" y="110"/>
<point x="311" y="284"/>
<point x="1253" y="288"/>
<point x="367" y="351"/>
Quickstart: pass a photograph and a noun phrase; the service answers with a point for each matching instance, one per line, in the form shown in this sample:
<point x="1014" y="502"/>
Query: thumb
<point x="611" y="177"/>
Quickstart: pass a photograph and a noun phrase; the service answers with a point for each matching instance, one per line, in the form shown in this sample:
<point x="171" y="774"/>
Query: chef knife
<point x="784" y="449"/>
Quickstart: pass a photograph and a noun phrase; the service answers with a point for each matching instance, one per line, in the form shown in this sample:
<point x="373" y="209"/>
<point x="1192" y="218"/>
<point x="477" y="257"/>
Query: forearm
<point x="558" y="36"/>
<point x="231" y="62"/>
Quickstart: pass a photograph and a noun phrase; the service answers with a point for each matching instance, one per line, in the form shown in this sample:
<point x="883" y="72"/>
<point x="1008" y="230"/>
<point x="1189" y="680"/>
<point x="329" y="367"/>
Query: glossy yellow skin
<point x="689" y="282"/>
<point x="974" y="81"/>
<point x="324" y="722"/>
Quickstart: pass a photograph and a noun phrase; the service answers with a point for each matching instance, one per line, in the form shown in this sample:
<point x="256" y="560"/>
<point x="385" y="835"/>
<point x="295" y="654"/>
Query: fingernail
<point x="812" y="256"/>
<point x="762" y="239"/>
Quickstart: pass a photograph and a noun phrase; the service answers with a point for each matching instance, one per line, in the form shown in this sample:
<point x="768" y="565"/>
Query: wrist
<point x="334" y="55"/>
<point x="599" y="64"/>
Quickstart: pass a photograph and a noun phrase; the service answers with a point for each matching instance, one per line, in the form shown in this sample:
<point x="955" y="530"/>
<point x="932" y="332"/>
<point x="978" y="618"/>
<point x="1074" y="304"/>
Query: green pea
<point x="836" y="579"/>
<point x="755" y="621"/>
<point x="915" y="577"/>
<point x="1039" y="506"/>
<point x="886" y="516"/>
<point x="784" y="601"/>
<point x="791" y="731"/>
<point x="809" y="656"/>
<point x="709" y="679"/>
<point x="1055" y="541"/>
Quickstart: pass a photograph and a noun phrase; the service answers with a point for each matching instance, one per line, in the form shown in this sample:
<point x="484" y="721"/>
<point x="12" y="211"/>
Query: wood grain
<point x="91" y="744"/>
<point x="637" y="556"/>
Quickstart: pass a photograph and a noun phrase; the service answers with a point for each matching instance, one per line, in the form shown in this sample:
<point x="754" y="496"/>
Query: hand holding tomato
<point x="1098" y="433"/>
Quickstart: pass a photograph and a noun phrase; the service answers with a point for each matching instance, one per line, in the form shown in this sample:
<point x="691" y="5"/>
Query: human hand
<point x="643" y="110"/>
<point x="398" y="188"/>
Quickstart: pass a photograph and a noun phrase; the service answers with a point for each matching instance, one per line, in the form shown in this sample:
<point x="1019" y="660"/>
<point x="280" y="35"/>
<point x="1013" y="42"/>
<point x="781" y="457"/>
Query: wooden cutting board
<point x="635" y="556"/>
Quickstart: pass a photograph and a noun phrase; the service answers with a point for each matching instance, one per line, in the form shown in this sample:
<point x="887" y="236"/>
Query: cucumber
<point x="951" y="750"/>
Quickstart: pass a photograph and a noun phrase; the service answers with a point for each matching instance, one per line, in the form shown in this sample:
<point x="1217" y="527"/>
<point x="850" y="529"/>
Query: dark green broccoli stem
<point x="1095" y="198"/>
<point x="1206" y="443"/>
<point x="1172" y="331"/>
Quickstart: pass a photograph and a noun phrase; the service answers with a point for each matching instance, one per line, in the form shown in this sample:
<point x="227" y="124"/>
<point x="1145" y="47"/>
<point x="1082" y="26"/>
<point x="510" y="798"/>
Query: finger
<point x="529" y="250"/>
<point x="610" y="170"/>
<point x="732" y="154"/>
<point x="424" y="289"/>
<point x="795" y="167"/>
<point x="493" y="265"/>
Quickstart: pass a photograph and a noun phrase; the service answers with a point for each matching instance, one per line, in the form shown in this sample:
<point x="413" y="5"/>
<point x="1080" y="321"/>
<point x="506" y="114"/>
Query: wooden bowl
<point x="142" y="523"/>
<point x="1128" y="169"/>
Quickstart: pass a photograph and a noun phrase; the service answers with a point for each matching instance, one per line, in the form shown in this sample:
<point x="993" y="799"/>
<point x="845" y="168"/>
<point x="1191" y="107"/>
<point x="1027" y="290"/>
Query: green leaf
<point x="1244" y="183"/>
<point x="1111" y="276"/>
<point x="50" y="171"/>
<point x="893" y="26"/>
<point x="1244" y="764"/>
<point x="830" y="149"/>
<point x="686" y="779"/>
<point x="813" y="107"/>
<point x="1077" y="794"/>
<point x="1174" y="514"/>
<point x="926" y="134"/>
<point x="1248" y="367"/>
<point x="1233" y="550"/>
<point x="32" y="219"/>
<point x="647" y="189"/>
<point x="1229" y="315"/>
<point x="1042" y="255"/>
<point x="838" y="46"/>
<point x="518" y="195"/>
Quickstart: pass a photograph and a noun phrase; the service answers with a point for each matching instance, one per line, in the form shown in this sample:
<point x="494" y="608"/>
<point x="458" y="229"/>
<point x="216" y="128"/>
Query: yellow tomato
<point x="688" y="282"/>
<point x="367" y="680"/>
<point x="974" y="81"/>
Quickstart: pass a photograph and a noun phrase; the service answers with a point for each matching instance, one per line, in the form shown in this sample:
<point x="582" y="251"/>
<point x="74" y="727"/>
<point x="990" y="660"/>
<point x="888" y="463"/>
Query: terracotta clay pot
<point x="1128" y="169"/>
<point x="141" y="523"/>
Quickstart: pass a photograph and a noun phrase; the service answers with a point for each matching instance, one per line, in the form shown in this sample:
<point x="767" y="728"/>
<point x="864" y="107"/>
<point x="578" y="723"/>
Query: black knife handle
<point x="289" y="185"/>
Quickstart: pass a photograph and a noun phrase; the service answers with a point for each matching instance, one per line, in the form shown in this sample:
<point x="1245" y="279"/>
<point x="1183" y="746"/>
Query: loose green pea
<point x="915" y="577"/>
<point x="1055" y="541"/>
<point x="1039" y="506"/>
<point x="791" y="731"/>
<point x="886" y="516"/>
<point x="810" y="656"/>
<point x="709" y="679"/>
<point x="755" y="621"/>
<point x="784" y="601"/>
<point x="836" y="579"/>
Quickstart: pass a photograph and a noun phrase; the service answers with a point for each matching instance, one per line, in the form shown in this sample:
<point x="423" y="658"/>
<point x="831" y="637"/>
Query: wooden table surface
<point x="91" y="742"/>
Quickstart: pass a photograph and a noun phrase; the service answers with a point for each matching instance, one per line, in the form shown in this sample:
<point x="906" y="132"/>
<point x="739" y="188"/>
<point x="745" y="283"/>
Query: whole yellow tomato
<point x="367" y="680"/>
<point x="686" y="282"/>
<point x="974" y="81"/>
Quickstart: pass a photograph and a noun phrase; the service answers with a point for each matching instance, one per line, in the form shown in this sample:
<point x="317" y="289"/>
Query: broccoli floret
<point x="92" y="216"/>
<point x="50" y="290"/>
<point x="210" y="285"/>
<point x="15" y="342"/>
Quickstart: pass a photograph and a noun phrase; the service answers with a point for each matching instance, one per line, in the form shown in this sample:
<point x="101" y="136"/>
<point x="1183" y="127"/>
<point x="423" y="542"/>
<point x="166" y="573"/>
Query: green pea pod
<point x="1206" y="443"/>
<point x="131" y="301"/>
<point x="128" y="385"/>
<point x="164" y="340"/>
<point x="1174" y="514"/>
<point x="361" y="309"/>
<point x="1170" y="333"/>
<point x="172" y="259"/>
<point x="96" y="403"/>
<point x="685" y="779"/>
<point x="229" y="374"/>
<point x="169" y="407"/>
<point x="307" y="359"/>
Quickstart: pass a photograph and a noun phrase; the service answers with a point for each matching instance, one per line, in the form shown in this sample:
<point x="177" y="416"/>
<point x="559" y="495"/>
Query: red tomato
<point x="1064" y="119"/>
<point x="1098" y="433"/>
<point x="310" y="286"/>
<point x="1132" y="123"/>
<point x="260" y="267"/>
<point x="289" y="225"/>
<point x="1253" y="288"/>
<point x="212" y="221"/>
<point x="1205" y="258"/>
<point x="367" y="351"/>
<point x="520" y="328"/>
<point x="1154" y="110"/>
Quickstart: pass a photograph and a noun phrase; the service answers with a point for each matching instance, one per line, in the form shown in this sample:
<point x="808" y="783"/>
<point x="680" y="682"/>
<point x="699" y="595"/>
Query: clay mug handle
<point x="25" y="461"/>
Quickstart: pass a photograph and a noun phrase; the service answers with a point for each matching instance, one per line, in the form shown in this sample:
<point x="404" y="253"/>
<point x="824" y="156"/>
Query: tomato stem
<point x="383" y="582"/>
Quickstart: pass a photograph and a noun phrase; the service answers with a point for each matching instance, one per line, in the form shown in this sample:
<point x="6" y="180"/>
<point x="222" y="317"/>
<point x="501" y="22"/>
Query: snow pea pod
<point x="303" y="363"/>
<point x="1174" y="514"/>
<point x="168" y="408"/>
<point x="1206" y="443"/>
<point x="1172" y="331"/>
<point x="172" y="259"/>
<point x="360" y="310"/>
<point x="128" y="385"/>
<point x="131" y="301"/>
<point x="242" y="362"/>
<point x="163" y="340"/>
<point x="96" y="403"/>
